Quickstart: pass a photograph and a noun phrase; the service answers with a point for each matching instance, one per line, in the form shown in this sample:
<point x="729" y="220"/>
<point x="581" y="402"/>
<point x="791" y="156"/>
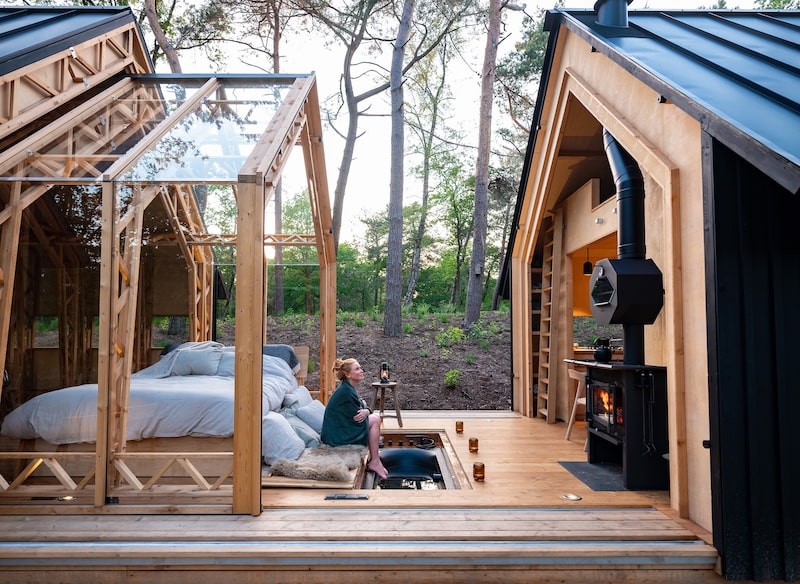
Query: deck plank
<point x="514" y="527"/>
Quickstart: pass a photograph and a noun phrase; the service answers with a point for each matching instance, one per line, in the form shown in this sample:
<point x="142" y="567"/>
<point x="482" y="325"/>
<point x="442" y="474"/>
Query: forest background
<point x="448" y="90"/>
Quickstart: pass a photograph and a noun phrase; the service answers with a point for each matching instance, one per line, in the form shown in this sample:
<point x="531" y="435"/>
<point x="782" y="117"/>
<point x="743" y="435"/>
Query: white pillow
<point x="278" y="439"/>
<point x="226" y="364"/>
<point x="312" y="414"/>
<point x="307" y="434"/>
<point x="297" y="396"/>
<point x="196" y="362"/>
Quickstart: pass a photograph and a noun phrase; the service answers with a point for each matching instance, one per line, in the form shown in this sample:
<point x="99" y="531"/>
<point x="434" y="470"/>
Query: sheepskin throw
<point x="326" y="463"/>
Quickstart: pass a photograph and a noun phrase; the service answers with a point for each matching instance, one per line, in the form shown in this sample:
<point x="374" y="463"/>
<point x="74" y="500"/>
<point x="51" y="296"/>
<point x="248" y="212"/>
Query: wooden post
<point x="249" y="318"/>
<point x="9" y="240"/>
<point x="108" y="288"/>
<point x="314" y="154"/>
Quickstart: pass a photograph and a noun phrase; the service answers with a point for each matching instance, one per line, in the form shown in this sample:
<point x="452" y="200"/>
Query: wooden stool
<point x="377" y="386"/>
<point x="580" y="399"/>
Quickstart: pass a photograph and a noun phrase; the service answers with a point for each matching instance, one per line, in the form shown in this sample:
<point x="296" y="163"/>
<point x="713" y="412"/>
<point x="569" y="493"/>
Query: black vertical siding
<point x="753" y="236"/>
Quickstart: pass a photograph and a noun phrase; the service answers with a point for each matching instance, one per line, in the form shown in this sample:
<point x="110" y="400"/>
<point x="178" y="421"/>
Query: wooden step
<point x="334" y="545"/>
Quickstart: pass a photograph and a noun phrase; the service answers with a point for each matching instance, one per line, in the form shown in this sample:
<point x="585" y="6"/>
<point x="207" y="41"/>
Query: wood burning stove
<point x="626" y="421"/>
<point x="626" y="402"/>
<point x="605" y="411"/>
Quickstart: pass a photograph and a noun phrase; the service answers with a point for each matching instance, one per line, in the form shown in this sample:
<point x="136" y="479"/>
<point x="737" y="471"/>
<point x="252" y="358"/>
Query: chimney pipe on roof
<point x="612" y="12"/>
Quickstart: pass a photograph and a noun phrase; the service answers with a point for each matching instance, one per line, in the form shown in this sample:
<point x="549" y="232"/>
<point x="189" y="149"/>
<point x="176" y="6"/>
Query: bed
<point x="188" y="393"/>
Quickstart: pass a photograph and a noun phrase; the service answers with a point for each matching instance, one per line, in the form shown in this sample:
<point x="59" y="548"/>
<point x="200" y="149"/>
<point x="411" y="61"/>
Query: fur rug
<point x="326" y="463"/>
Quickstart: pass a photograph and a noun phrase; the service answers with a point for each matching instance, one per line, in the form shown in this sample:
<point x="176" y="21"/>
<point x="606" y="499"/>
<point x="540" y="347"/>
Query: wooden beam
<point x="249" y="334"/>
<point x="9" y="248"/>
<point x="317" y="180"/>
<point x="133" y="155"/>
<point x="105" y="352"/>
<point x="19" y="105"/>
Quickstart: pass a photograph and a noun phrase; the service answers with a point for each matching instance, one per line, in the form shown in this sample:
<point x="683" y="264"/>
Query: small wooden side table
<point x="381" y="388"/>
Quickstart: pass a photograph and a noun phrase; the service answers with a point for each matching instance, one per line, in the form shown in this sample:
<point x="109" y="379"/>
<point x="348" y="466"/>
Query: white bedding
<point x="165" y="402"/>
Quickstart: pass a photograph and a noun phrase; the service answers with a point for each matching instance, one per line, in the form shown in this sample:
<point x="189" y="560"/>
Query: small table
<point x="377" y="387"/>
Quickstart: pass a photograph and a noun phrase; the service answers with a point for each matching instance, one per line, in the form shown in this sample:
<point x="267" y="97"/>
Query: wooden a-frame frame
<point x="124" y="331"/>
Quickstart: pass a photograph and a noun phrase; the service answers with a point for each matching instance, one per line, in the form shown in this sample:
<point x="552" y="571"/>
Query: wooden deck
<point x="514" y="527"/>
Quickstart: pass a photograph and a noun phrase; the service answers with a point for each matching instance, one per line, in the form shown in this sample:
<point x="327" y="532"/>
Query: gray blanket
<point x="284" y="352"/>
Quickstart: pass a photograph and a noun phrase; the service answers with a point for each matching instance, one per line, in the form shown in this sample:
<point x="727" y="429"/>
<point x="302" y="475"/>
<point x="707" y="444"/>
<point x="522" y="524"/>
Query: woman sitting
<point x="348" y="420"/>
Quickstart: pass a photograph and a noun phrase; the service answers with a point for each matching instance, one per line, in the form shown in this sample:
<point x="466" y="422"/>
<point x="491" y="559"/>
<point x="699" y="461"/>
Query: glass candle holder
<point x="473" y="445"/>
<point x="459" y="427"/>
<point x="384" y="372"/>
<point x="478" y="471"/>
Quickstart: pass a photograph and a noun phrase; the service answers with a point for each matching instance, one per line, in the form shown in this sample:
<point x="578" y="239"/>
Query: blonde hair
<point x="341" y="367"/>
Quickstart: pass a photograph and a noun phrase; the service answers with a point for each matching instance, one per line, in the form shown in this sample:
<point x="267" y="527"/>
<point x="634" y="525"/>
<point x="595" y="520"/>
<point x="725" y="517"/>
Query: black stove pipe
<point x="630" y="238"/>
<point x="612" y="12"/>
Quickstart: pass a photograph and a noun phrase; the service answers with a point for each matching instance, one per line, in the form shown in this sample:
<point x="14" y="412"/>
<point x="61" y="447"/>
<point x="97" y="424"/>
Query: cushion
<point x="298" y="396"/>
<point x="196" y="362"/>
<point x="226" y="364"/>
<point x="307" y="434"/>
<point x="278" y="439"/>
<point x="312" y="414"/>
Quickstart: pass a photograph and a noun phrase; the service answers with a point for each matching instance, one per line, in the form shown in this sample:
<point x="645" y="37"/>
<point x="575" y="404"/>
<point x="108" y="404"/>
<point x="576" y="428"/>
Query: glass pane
<point x="103" y="134"/>
<point x="213" y="141"/>
<point x="209" y="144"/>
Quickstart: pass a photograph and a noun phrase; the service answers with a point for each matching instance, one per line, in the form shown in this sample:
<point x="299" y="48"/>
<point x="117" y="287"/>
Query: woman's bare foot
<point x="377" y="467"/>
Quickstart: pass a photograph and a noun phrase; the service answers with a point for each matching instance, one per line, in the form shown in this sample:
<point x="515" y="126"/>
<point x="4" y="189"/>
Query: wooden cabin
<point x="704" y="106"/>
<point x="103" y="168"/>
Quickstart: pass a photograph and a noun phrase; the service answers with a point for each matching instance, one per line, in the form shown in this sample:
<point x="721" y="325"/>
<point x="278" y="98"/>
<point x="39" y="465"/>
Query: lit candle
<point x="384" y="372"/>
<point x="459" y="427"/>
<point x="473" y="445"/>
<point x="478" y="471"/>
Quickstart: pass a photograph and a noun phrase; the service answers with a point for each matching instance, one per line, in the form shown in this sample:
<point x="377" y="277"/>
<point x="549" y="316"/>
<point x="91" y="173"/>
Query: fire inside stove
<point x="606" y="408"/>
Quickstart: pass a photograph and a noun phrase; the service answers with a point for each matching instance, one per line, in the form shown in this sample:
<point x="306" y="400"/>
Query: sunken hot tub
<point x="416" y="461"/>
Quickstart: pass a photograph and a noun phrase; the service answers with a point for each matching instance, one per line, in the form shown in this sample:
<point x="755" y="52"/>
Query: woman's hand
<point x="361" y="415"/>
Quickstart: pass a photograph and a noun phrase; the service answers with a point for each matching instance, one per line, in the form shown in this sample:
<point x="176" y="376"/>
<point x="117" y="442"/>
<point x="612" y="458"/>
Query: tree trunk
<point x="161" y="38"/>
<point x="392" y="318"/>
<point x="472" y="311"/>
<point x="419" y="235"/>
<point x="427" y="137"/>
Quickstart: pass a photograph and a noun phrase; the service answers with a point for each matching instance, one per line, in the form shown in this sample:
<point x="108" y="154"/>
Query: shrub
<point x="422" y="308"/>
<point x="451" y="378"/>
<point x="450" y="336"/>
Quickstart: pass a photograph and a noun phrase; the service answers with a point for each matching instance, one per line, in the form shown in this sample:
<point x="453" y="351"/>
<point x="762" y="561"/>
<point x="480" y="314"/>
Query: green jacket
<point x="338" y="426"/>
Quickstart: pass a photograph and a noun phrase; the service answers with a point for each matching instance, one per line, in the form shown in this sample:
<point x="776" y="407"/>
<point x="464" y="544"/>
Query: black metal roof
<point x="737" y="72"/>
<point x="29" y="34"/>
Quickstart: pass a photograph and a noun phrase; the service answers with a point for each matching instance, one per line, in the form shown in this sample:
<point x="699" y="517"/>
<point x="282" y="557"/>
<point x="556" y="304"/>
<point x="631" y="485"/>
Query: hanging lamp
<point x="587" y="265"/>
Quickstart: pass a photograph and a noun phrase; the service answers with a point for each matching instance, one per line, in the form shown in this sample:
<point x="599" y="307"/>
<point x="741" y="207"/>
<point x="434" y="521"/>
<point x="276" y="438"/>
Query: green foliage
<point x="421" y="308"/>
<point x="46" y="324"/>
<point x="450" y="336"/>
<point x="452" y="378"/>
<point x="359" y="321"/>
<point x="778" y="4"/>
<point x="471" y="358"/>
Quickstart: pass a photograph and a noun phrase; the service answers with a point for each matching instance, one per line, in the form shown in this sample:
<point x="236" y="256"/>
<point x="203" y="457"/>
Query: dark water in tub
<point x="410" y="468"/>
